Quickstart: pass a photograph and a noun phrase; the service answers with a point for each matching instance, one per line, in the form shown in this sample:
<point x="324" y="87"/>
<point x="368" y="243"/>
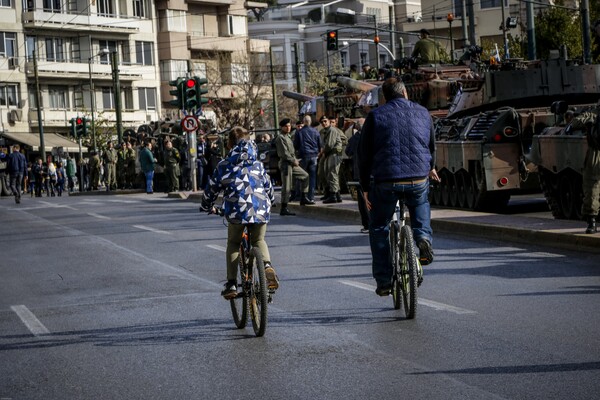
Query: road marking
<point x="31" y="322"/>
<point x="147" y="228"/>
<point x="98" y="216"/>
<point x="428" y="303"/>
<point x="216" y="247"/>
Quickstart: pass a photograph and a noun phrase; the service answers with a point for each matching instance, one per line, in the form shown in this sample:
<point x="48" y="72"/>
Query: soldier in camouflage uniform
<point x="331" y="152"/>
<point x="172" y="158"/>
<point x="130" y="159"/>
<point x="110" y="166"/>
<point x="94" y="170"/>
<point x="121" y="165"/>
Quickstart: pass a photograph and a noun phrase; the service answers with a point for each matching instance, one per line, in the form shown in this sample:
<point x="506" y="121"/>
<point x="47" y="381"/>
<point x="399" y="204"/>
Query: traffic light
<point x="332" y="40"/>
<point x="200" y="90"/>
<point x="73" y="129"/>
<point x="190" y="94"/>
<point x="177" y="93"/>
<point x="86" y="126"/>
<point x="79" y="127"/>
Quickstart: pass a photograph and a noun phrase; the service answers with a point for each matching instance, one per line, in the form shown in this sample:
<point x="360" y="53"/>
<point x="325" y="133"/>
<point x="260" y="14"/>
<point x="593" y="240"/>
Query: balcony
<point x="60" y="118"/>
<point x="80" y="70"/>
<point x="75" y="22"/>
<point x="220" y="43"/>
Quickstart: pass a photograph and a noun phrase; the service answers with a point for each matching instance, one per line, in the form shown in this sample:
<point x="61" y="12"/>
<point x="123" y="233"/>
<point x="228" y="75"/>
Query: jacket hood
<point x="243" y="153"/>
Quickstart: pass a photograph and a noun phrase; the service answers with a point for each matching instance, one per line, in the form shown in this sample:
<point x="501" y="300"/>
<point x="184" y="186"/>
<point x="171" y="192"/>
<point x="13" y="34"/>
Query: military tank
<point x="559" y="153"/>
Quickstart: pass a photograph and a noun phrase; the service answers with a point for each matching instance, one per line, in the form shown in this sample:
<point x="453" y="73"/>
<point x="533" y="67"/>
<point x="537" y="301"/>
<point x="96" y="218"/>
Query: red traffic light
<point x="332" y="34"/>
<point x="79" y="121"/>
<point x="190" y="83"/>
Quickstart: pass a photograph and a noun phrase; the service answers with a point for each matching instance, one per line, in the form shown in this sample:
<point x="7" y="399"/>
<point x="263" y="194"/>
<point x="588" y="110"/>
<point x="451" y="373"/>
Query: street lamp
<point x="102" y="52"/>
<point x="450" y="18"/>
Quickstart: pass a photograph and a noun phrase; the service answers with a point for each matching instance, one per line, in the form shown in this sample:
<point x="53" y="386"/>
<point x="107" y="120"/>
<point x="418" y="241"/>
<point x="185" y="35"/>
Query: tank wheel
<point x="566" y="196"/>
<point x="461" y="177"/>
<point x="548" y="183"/>
<point x="452" y="190"/>
<point x="445" y="184"/>
<point x="471" y="191"/>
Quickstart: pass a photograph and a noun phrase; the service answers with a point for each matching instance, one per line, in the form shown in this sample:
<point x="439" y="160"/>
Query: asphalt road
<point x="117" y="297"/>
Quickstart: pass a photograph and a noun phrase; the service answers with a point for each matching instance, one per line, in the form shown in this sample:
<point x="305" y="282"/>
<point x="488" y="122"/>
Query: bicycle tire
<point x="395" y="257"/>
<point x="409" y="272"/>
<point x="239" y="304"/>
<point x="259" y="296"/>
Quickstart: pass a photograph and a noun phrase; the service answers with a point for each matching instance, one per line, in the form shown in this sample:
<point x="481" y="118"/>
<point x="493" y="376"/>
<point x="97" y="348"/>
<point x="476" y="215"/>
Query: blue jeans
<point x="383" y="198"/>
<point x="149" y="179"/>
<point x="309" y="164"/>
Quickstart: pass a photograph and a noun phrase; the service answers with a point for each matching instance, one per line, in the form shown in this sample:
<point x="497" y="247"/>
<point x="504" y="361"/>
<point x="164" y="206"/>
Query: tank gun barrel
<point x="355" y="84"/>
<point x="297" y="96"/>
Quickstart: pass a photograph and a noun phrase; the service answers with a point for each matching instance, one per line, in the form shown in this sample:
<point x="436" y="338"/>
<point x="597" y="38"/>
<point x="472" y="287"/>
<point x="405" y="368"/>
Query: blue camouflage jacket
<point x="246" y="186"/>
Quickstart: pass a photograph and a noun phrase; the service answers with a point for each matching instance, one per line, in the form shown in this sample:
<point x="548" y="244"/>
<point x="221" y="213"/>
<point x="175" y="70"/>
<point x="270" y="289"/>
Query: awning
<point x="51" y="140"/>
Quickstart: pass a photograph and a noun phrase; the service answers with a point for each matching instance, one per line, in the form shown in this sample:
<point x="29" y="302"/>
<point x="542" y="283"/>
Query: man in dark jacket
<point x="307" y="143"/>
<point x="396" y="158"/>
<point x="17" y="167"/>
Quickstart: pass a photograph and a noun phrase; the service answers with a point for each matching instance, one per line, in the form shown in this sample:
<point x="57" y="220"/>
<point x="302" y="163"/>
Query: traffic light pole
<point x="80" y="167"/>
<point x="117" y="88"/>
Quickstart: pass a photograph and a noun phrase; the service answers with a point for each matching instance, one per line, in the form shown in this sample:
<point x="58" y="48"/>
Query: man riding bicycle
<point x="396" y="157"/>
<point x="247" y="199"/>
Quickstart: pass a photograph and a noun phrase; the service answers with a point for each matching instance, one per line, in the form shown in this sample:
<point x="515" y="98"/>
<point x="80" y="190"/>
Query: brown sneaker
<point x="272" y="280"/>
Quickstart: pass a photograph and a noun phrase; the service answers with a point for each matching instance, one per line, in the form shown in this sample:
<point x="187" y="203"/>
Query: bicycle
<point x="254" y="295"/>
<point x="407" y="271"/>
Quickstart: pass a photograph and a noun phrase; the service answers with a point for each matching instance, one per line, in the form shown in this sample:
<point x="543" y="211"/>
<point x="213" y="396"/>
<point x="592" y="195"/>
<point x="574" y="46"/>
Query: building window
<point x="108" y="99"/>
<point x="199" y="69"/>
<point x="8" y="95"/>
<point x="111" y="45"/>
<point x="147" y="98"/>
<point x="58" y="97"/>
<point x="492" y="3"/>
<point x="78" y="99"/>
<point x="176" y="21"/>
<point x="364" y="59"/>
<point x="172" y="69"/>
<point x="143" y="53"/>
<point x="52" y="6"/>
<point x="54" y="49"/>
<point x="344" y="59"/>
<point x="239" y="73"/>
<point x="6" y="3"/>
<point x="106" y="8"/>
<point x="139" y="9"/>
<point x="30" y="42"/>
<point x="8" y="44"/>
<point x="237" y="25"/>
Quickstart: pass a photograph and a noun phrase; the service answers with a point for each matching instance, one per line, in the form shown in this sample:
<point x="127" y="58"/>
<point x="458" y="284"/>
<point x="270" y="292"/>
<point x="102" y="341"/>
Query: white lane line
<point x="216" y="247"/>
<point x="31" y="322"/>
<point x="428" y="303"/>
<point x="147" y="228"/>
<point x="98" y="216"/>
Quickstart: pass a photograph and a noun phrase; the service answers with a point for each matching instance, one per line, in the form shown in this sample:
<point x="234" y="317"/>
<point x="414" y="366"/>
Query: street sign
<point x="189" y="123"/>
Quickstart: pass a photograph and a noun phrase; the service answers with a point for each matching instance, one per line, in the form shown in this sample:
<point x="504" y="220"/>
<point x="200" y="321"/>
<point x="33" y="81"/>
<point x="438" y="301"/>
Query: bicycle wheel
<point x="239" y="304"/>
<point x="259" y="296"/>
<point x="409" y="272"/>
<point x="395" y="257"/>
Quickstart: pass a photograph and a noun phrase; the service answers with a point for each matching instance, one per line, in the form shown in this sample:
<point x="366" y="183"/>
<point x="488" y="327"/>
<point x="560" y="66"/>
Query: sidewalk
<point x="540" y="229"/>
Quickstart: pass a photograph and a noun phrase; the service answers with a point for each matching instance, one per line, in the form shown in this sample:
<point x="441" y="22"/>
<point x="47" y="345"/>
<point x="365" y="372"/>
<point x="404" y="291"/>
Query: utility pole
<point x="585" y="21"/>
<point x="38" y="106"/>
<point x="463" y="18"/>
<point x="503" y="27"/>
<point x="531" y="47"/>
<point x="298" y="79"/>
<point x="117" y="89"/>
<point x="273" y="88"/>
<point x="472" y="39"/>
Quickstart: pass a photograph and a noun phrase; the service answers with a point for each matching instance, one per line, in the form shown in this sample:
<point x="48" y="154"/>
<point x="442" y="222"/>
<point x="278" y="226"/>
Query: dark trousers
<point x="15" y="183"/>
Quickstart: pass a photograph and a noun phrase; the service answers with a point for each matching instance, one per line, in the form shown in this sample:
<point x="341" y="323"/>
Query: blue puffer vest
<point x="401" y="143"/>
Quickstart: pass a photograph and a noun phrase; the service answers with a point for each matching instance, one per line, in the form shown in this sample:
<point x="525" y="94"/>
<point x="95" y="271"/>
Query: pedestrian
<point x="591" y="176"/>
<point x="30" y="179"/>
<point x="201" y="162"/>
<point x="60" y="179"/>
<point x="247" y="199"/>
<point x="307" y="143"/>
<point x="109" y="159"/>
<point x="352" y="152"/>
<point x="17" y="168"/>
<point x="71" y="173"/>
<point x="94" y="170"/>
<point x="147" y="162"/>
<point x="331" y="153"/>
<point x="396" y="159"/>
<point x="130" y="174"/>
<point x="122" y="166"/>
<point x="290" y="168"/>
<point x="51" y="179"/>
<point x="171" y="157"/>
<point x="38" y="173"/>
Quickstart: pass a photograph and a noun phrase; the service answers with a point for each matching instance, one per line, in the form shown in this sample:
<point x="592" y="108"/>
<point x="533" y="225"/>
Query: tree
<point x="556" y="26"/>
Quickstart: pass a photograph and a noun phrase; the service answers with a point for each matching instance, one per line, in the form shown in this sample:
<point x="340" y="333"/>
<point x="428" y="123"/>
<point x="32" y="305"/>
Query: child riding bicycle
<point x="247" y="199"/>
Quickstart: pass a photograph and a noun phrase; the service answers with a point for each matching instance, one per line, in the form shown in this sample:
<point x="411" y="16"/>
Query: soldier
<point x="110" y="166"/>
<point x="331" y="153"/>
<point x="130" y="159"/>
<point x="172" y="157"/>
<point x="290" y="168"/>
<point x="426" y="51"/>
<point x="94" y="166"/>
<point x="122" y="165"/>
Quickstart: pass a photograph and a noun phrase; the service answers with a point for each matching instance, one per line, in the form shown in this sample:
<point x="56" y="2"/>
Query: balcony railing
<point x="76" y="21"/>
